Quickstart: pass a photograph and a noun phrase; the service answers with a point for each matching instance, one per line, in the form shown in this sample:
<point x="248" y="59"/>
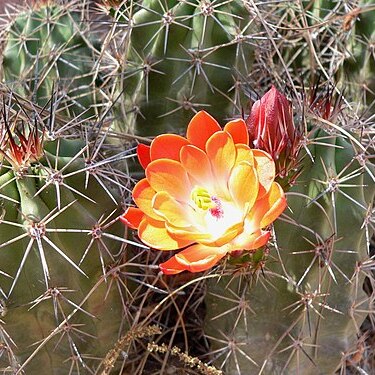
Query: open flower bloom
<point x="208" y="194"/>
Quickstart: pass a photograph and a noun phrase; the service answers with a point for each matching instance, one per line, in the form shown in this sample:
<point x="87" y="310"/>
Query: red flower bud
<point x="271" y="128"/>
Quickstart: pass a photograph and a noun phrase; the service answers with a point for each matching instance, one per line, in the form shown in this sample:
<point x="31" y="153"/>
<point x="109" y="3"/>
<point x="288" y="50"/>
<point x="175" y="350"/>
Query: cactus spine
<point x="58" y="240"/>
<point x="303" y="307"/>
<point x="178" y="57"/>
<point x="48" y="48"/>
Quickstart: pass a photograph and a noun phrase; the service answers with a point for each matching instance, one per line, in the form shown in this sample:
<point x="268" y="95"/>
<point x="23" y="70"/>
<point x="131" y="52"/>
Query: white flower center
<point x="217" y="215"/>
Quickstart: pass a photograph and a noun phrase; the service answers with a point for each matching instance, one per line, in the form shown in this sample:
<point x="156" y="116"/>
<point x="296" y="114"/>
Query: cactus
<point x="47" y="47"/>
<point x="78" y="295"/>
<point x="177" y="57"/>
<point x="302" y="313"/>
<point x="330" y="39"/>
<point x="58" y="246"/>
<point x="359" y="65"/>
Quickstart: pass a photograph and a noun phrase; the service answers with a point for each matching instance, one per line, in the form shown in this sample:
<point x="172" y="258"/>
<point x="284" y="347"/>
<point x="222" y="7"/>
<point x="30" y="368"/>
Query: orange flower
<point x="208" y="193"/>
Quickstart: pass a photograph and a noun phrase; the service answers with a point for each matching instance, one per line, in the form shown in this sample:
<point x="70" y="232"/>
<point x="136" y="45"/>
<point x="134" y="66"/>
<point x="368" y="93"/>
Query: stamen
<point x="217" y="211"/>
<point x="202" y="198"/>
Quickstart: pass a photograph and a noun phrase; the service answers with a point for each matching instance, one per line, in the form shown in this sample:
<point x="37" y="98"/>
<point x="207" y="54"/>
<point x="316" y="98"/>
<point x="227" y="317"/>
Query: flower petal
<point x="246" y="241"/>
<point x="169" y="175"/>
<point x="222" y="154"/>
<point x="191" y="233"/>
<point x="143" y="153"/>
<point x="154" y="234"/>
<point x="167" y="146"/>
<point x="244" y="153"/>
<point x="229" y="234"/>
<point x="132" y="217"/>
<point x="171" y="210"/>
<point x="238" y="130"/>
<point x="196" y="258"/>
<point x="200" y="129"/>
<point x="243" y="185"/>
<point x="172" y="267"/>
<point x="197" y="164"/>
<point x="276" y="202"/>
<point x="266" y="171"/>
<point x="143" y="194"/>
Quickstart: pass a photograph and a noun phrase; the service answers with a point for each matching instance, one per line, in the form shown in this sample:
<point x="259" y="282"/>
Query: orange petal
<point x="222" y="154"/>
<point x="132" y="217"/>
<point x="231" y="233"/>
<point x="143" y="194"/>
<point x="154" y="234"/>
<point x="251" y="241"/>
<point x="188" y="233"/>
<point x="266" y="171"/>
<point x="196" y="258"/>
<point x="172" y="267"/>
<point x="259" y="241"/>
<point x="171" y="210"/>
<point x="167" y="146"/>
<point x="143" y="153"/>
<point x="200" y="128"/>
<point x="169" y="175"/>
<point x="243" y="184"/>
<point x="238" y="130"/>
<point x="276" y="202"/>
<point x="197" y="164"/>
<point x="244" y="153"/>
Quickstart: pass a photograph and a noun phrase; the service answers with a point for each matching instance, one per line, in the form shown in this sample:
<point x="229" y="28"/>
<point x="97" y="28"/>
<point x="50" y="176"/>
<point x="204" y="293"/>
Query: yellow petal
<point x="154" y="234"/>
<point x="226" y="237"/>
<point x="222" y="154"/>
<point x="171" y="210"/>
<point x="250" y="241"/>
<point x="196" y="258"/>
<point x="266" y="171"/>
<point x="244" y="153"/>
<point x="276" y="203"/>
<point x="188" y="233"/>
<point x="243" y="185"/>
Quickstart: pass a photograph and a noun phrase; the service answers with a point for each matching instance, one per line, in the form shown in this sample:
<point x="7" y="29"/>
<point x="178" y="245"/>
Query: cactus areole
<point x="208" y="193"/>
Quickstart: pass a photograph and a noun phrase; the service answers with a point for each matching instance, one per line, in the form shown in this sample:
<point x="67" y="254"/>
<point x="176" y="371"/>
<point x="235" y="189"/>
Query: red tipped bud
<point x="324" y="104"/>
<point x="271" y="128"/>
<point x="20" y="147"/>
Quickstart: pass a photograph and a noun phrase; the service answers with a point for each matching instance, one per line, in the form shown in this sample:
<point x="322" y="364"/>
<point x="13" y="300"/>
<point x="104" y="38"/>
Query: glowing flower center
<point x="205" y="201"/>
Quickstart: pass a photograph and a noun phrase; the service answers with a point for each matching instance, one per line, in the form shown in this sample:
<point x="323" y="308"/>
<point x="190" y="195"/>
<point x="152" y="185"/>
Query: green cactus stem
<point x="59" y="244"/>
<point x="47" y="47"/>
<point x="301" y="310"/>
<point x="178" y="57"/>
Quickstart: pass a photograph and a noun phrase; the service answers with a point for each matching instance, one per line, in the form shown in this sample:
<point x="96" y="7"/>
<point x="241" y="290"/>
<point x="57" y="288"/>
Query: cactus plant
<point x="330" y="39"/>
<point x="292" y="306"/>
<point x="58" y="242"/>
<point x="177" y="57"/>
<point x="48" y="47"/>
<point x="304" y="312"/>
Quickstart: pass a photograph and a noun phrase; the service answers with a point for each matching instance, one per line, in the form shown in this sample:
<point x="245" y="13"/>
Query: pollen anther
<point x="202" y="199"/>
